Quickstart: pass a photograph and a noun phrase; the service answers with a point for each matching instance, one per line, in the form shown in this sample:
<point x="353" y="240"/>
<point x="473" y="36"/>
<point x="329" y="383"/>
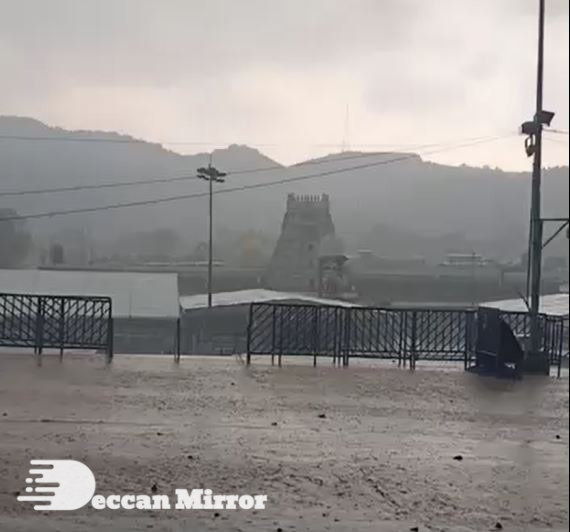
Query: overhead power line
<point x="253" y="186"/>
<point x="130" y="140"/>
<point x="142" y="182"/>
<point x="108" y="140"/>
<point x="562" y="142"/>
<point x="175" y="179"/>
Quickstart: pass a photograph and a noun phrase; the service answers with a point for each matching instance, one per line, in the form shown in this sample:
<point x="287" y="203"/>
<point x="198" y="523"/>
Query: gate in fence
<point x="59" y="322"/>
<point x="406" y="335"/>
<point x="340" y="332"/>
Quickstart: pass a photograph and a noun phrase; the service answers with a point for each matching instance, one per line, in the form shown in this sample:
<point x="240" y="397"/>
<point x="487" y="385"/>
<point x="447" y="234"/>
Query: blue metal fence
<point x="60" y="322"/>
<point x="406" y="335"/>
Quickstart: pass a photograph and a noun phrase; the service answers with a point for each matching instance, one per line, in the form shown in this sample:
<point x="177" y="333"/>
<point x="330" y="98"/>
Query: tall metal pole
<point x="210" y="235"/>
<point x="536" y="221"/>
<point x="210" y="174"/>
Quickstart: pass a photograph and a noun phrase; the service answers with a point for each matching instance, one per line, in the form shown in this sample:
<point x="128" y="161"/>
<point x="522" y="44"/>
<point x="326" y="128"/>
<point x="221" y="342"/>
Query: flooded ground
<point x="365" y="448"/>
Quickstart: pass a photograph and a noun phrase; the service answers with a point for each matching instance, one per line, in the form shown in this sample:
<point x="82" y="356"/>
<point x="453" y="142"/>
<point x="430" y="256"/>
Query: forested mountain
<point x="391" y="207"/>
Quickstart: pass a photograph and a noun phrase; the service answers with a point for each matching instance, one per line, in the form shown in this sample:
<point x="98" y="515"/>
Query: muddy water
<point x="370" y="447"/>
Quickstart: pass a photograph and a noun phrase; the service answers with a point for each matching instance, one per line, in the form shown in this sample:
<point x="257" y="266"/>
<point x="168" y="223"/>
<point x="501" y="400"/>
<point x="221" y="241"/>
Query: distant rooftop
<point x="134" y="294"/>
<point x="553" y="305"/>
<point x="245" y="297"/>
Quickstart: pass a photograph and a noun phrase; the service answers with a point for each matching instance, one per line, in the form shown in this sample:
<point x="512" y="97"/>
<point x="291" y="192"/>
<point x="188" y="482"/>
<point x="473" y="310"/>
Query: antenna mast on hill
<point x="345" y="146"/>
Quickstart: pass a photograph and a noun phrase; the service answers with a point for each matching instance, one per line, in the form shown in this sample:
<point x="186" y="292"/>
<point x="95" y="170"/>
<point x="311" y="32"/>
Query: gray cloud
<point x="274" y="71"/>
<point x="162" y="42"/>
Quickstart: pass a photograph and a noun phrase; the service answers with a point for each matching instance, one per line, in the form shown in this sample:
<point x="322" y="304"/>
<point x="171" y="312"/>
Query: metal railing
<point x="61" y="322"/>
<point x="406" y="335"/>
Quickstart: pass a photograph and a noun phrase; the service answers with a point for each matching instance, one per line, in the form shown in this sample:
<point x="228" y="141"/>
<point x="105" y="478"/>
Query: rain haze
<point x="295" y="265"/>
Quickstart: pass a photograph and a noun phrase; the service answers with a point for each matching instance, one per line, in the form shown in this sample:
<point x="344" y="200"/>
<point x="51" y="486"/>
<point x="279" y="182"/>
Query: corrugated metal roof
<point x="134" y="294"/>
<point x="554" y="305"/>
<point x="245" y="297"/>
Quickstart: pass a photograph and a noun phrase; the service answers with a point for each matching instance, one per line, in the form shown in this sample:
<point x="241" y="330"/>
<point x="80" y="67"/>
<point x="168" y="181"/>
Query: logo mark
<point x="59" y="485"/>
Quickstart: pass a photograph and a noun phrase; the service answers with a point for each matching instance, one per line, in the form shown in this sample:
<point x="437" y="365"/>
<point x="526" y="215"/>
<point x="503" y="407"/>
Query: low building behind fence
<point x="145" y="306"/>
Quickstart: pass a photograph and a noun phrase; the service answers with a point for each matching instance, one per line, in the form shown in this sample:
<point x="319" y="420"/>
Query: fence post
<point x="560" y="346"/>
<point x="110" y="333"/>
<point x="544" y="340"/>
<point x="468" y="329"/>
<point x="273" y="328"/>
<point x="178" y="330"/>
<point x="403" y="328"/>
<point x="280" y="354"/>
<point x="414" y="335"/>
<point x="61" y="327"/>
<point x="378" y="315"/>
<point x="335" y="336"/>
<point x="315" y="335"/>
<point x="40" y="326"/>
<point x="248" y="340"/>
<point x="346" y="354"/>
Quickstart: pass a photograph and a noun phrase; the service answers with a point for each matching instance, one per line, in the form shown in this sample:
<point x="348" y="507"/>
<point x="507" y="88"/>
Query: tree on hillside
<point x="15" y="240"/>
<point x="160" y="243"/>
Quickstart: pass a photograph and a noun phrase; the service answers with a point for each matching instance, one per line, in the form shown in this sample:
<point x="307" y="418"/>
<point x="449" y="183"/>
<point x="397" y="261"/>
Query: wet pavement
<point x="370" y="447"/>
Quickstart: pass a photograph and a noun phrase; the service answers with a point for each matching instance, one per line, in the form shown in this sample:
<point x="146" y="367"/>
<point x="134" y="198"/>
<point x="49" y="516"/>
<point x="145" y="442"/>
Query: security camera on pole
<point x="211" y="175"/>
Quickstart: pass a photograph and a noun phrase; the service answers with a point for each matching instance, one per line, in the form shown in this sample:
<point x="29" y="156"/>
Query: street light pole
<point x="210" y="238"/>
<point x="533" y="145"/>
<point x="211" y="175"/>
<point x="536" y="200"/>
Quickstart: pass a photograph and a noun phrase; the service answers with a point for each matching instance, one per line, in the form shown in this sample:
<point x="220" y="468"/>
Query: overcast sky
<point x="281" y="74"/>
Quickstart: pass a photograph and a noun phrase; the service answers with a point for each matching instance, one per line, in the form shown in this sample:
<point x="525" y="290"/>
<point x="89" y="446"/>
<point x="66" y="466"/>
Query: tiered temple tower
<point x="295" y="262"/>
